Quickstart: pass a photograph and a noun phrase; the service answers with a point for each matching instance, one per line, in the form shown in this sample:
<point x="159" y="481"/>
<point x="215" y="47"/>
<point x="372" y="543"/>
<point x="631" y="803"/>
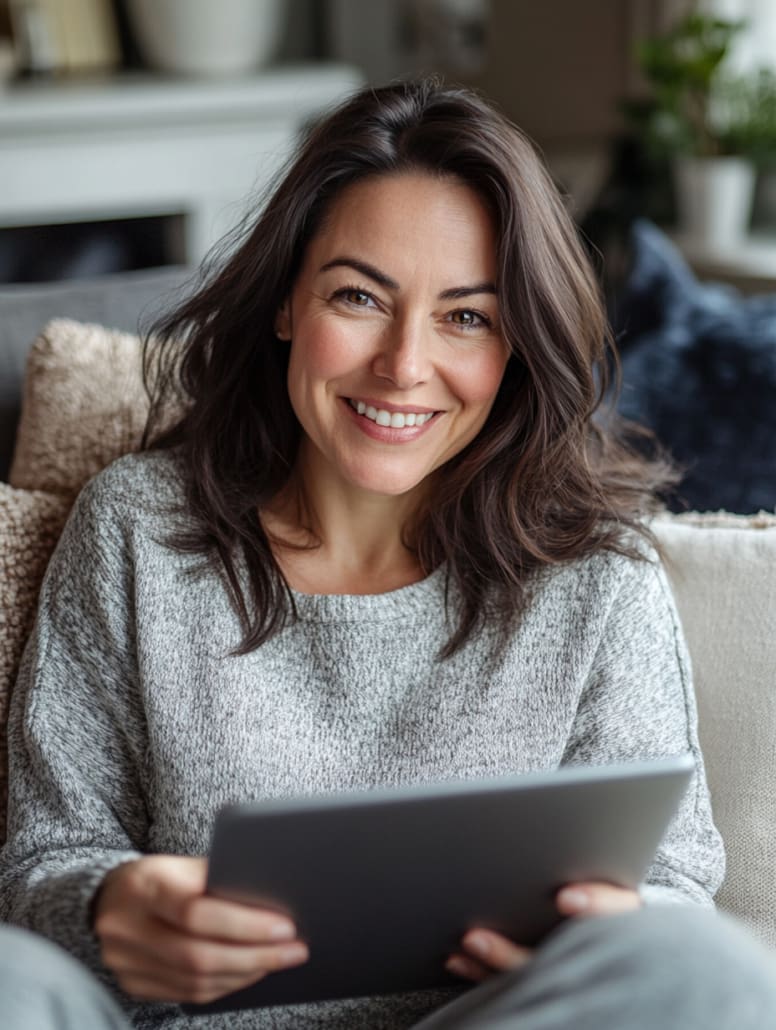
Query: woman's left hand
<point x="485" y="952"/>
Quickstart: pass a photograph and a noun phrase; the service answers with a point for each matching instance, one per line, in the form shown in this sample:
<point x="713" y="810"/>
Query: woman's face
<point x="396" y="349"/>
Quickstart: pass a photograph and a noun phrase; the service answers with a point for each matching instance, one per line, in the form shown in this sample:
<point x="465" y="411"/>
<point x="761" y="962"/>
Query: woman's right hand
<point x="166" y="940"/>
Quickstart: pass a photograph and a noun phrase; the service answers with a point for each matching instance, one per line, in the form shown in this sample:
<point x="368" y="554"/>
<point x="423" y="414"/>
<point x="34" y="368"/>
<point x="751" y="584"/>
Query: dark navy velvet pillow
<point x="699" y="368"/>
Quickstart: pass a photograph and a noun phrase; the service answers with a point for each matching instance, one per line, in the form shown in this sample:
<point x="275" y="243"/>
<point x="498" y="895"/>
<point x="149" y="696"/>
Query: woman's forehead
<point x="406" y="221"/>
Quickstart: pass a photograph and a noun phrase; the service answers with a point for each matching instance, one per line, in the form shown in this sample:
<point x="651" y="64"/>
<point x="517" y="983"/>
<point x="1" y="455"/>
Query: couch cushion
<point x="84" y="405"/>
<point x="699" y="368"/>
<point x="30" y="524"/>
<point x="118" y="301"/>
<point x="722" y="570"/>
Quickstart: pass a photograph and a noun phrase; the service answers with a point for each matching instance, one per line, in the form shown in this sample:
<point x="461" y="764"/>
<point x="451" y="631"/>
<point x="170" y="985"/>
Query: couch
<point x="83" y="404"/>
<point x="119" y="301"/>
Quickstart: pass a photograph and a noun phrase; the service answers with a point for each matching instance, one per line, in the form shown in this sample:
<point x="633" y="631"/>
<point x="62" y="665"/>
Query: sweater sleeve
<point x="76" y="735"/>
<point x="638" y="702"/>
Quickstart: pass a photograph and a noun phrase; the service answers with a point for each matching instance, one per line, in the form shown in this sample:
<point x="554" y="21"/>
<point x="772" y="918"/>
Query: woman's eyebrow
<point x="467" y="291"/>
<point x="365" y="269"/>
<point x="455" y="293"/>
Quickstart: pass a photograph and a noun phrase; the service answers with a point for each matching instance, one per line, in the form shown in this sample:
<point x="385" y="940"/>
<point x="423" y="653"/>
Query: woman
<point x="386" y="542"/>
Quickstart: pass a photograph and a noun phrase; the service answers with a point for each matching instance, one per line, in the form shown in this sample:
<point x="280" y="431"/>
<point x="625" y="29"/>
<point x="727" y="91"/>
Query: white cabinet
<point x="128" y="147"/>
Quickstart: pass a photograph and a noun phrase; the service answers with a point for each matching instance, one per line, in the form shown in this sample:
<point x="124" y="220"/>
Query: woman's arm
<point x="76" y="735"/>
<point x="73" y="867"/>
<point x="639" y="703"/>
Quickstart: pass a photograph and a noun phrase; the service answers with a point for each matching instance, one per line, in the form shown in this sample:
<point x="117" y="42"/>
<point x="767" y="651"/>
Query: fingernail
<point x="294" y="953"/>
<point x="282" y="931"/>
<point x="477" y="943"/>
<point x="574" y="898"/>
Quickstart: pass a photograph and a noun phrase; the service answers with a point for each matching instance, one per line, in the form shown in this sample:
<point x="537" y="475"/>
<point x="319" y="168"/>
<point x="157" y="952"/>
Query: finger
<point x="596" y="899"/>
<point x="156" y="986"/>
<point x="468" y="968"/>
<point x="229" y="921"/>
<point x="148" y="987"/>
<point x="196" y="983"/>
<point x="172" y="954"/>
<point x="494" y="950"/>
<point x="176" y="886"/>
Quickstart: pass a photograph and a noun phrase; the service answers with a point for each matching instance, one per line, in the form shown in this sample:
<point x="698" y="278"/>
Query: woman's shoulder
<point x="149" y="483"/>
<point x="610" y="573"/>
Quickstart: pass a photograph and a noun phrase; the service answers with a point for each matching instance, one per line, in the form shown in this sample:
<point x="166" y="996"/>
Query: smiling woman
<point x="388" y="376"/>
<point x="388" y="540"/>
<point x="421" y="263"/>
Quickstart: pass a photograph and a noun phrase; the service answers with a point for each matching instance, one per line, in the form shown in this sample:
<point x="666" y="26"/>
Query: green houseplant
<point x="713" y="125"/>
<point x="689" y="111"/>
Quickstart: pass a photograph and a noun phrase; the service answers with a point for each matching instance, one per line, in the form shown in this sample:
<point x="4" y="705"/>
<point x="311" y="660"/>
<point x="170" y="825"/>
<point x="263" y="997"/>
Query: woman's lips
<point x="392" y="433"/>
<point x="384" y="416"/>
<point x="380" y="405"/>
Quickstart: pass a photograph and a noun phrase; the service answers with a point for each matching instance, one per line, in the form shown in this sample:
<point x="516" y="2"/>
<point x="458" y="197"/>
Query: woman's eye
<point x="360" y="298"/>
<point x="469" y="319"/>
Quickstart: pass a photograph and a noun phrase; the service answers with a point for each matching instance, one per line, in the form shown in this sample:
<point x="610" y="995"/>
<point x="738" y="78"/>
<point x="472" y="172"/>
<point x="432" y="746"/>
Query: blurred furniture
<point x="116" y="301"/>
<point x="722" y="570"/>
<point x="138" y="146"/>
<point x="699" y="369"/>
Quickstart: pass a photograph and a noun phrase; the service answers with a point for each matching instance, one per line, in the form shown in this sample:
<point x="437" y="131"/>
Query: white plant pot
<point x="206" y="37"/>
<point x="714" y="200"/>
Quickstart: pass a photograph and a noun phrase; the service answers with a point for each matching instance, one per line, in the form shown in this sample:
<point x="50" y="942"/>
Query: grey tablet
<point x="383" y="884"/>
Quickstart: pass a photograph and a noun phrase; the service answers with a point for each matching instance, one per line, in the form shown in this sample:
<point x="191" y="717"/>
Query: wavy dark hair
<point x="546" y="480"/>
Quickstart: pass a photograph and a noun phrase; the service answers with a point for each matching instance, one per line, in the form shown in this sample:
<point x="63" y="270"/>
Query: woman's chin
<point x="384" y="483"/>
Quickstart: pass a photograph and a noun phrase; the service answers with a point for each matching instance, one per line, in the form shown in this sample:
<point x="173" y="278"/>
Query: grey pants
<point x="668" y="968"/>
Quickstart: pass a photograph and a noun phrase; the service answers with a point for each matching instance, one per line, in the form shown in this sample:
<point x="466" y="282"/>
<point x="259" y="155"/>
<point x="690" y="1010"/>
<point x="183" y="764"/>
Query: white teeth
<point x="394" y="419"/>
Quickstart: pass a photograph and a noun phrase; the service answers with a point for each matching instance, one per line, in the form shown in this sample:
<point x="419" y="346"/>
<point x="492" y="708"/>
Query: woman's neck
<point x="339" y="541"/>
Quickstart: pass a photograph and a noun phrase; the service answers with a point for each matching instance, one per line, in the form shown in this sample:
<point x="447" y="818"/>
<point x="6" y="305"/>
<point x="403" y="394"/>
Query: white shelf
<point x="130" y="146"/>
<point x="30" y="107"/>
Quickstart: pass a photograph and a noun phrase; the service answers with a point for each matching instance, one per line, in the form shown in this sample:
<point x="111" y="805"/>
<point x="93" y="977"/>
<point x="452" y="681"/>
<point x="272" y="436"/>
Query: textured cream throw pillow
<point x="30" y="524"/>
<point x="722" y="570"/>
<point x="84" y="405"/>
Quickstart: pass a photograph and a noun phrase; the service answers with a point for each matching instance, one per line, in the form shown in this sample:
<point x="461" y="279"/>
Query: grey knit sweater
<point x="130" y="725"/>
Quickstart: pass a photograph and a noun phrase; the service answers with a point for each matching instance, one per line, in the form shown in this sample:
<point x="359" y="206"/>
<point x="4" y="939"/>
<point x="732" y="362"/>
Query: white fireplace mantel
<point x="134" y="146"/>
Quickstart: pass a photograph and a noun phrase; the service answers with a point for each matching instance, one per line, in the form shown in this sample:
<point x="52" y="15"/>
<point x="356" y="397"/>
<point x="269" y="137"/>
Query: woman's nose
<point x="404" y="356"/>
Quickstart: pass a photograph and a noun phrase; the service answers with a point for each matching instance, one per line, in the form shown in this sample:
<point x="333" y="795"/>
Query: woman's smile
<point x="389" y="425"/>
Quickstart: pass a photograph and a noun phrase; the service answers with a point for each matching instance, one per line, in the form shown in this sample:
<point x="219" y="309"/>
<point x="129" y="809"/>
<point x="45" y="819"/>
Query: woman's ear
<point x="283" y="321"/>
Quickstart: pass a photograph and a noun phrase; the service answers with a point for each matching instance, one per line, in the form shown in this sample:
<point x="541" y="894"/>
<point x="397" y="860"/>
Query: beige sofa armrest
<point x="722" y="570"/>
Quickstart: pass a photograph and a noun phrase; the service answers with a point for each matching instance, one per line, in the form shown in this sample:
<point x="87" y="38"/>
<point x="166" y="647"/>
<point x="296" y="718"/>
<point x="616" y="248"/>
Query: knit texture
<point x="131" y="725"/>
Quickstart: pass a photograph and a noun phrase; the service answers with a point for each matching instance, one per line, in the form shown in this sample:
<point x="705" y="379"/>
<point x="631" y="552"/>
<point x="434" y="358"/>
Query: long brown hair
<point x="544" y="482"/>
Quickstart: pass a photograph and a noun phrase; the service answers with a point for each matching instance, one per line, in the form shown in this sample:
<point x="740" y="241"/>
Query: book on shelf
<point x="67" y="35"/>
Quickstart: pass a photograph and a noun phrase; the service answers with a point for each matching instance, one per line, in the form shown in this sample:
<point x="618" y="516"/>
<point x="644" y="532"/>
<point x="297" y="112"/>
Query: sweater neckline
<point x="393" y="604"/>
